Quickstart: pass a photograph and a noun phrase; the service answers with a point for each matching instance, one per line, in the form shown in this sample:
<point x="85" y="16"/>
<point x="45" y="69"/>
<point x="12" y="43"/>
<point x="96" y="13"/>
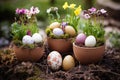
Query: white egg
<point x="54" y="60"/>
<point x="58" y="32"/>
<point x="90" y="41"/>
<point x="37" y="38"/>
<point x="27" y="40"/>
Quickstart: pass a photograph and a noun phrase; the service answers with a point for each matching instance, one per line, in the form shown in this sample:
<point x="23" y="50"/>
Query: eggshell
<point x="37" y="38"/>
<point x="68" y="62"/>
<point x="58" y="32"/>
<point x="27" y="40"/>
<point x="90" y="41"/>
<point x="54" y="60"/>
<point x="54" y="25"/>
<point x="80" y="38"/>
<point x="70" y="30"/>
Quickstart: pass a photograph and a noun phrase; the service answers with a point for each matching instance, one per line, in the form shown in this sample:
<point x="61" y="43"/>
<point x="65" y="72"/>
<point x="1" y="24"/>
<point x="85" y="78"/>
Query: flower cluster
<point x="28" y="13"/>
<point x="93" y="26"/>
<point x="65" y="27"/>
<point x="26" y="16"/>
<point x="73" y="6"/>
<point x="25" y="29"/>
<point x="73" y="13"/>
<point x="93" y="12"/>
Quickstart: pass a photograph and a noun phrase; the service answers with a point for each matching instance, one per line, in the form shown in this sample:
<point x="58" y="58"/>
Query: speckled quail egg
<point x="68" y="62"/>
<point x="54" y="60"/>
<point x="58" y="31"/>
<point x="54" y="25"/>
<point x="80" y="38"/>
<point x="27" y="39"/>
<point x="90" y="41"/>
<point x="37" y="38"/>
<point x="70" y="30"/>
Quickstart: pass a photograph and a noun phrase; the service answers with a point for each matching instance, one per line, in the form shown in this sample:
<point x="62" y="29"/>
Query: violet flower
<point x="17" y="11"/>
<point x="63" y="25"/>
<point x="20" y="11"/>
<point x="34" y="10"/>
<point x="86" y="16"/>
<point x="29" y="33"/>
<point x="103" y="11"/>
<point x="92" y="10"/>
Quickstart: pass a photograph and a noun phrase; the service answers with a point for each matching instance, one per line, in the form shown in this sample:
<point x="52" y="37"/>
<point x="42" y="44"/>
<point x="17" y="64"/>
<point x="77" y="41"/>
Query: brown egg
<point x="54" y="25"/>
<point x="68" y="62"/>
<point x="70" y="30"/>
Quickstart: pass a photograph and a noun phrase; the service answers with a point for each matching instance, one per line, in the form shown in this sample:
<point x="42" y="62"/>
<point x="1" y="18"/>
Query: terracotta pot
<point x="88" y="55"/>
<point x="60" y="45"/>
<point x="24" y="54"/>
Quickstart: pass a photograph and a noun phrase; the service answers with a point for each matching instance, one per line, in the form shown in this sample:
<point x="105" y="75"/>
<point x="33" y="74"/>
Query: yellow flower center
<point x="65" y="5"/>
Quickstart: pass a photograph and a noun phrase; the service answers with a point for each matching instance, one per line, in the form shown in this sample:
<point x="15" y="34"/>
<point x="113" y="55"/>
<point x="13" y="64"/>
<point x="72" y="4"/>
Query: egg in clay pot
<point x="58" y="31"/>
<point x="90" y="41"/>
<point x="80" y="39"/>
<point x="54" y="25"/>
<point x="27" y="39"/>
<point x="37" y="38"/>
<point x="68" y="62"/>
<point x="70" y="30"/>
<point x="54" y="60"/>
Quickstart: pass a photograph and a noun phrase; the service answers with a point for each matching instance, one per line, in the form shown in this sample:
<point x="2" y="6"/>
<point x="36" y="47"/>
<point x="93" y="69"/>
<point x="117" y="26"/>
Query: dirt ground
<point x="106" y="69"/>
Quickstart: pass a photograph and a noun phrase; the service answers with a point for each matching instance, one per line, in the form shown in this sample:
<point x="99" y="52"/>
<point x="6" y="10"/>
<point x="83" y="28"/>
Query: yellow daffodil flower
<point x="65" y="5"/>
<point x="72" y="6"/>
<point x="78" y="11"/>
<point x="79" y="6"/>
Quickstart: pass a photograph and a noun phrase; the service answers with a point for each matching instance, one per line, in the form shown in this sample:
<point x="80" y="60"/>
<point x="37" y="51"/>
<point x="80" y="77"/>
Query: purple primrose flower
<point x="103" y="11"/>
<point x="86" y="16"/>
<point x="92" y="10"/>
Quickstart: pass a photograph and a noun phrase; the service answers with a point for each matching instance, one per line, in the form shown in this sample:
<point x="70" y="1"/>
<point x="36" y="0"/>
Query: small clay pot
<point x="24" y="54"/>
<point x="60" y="45"/>
<point x="87" y="55"/>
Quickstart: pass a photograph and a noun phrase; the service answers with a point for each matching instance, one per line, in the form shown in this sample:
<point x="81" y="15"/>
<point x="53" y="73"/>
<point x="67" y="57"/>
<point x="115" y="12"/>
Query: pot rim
<point x="88" y="47"/>
<point x="60" y="38"/>
<point x="28" y="48"/>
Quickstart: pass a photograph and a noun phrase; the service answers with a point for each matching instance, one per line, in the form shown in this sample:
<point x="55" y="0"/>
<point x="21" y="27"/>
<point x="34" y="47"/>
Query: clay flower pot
<point x="60" y="45"/>
<point x="88" y="55"/>
<point x="24" y="54"/>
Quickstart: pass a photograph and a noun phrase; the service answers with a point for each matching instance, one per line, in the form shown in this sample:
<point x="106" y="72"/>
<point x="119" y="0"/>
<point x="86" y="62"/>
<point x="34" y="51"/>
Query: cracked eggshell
<point x="68" y="62"/>
<point x="58" y="31"/>
<point x="37" y="38"/>
<point x="54" y="60"/>
<point x="27" y="39"/>
<point x="90" y="41"/>
<point x="70" y="30"/>
<point x="54" y="25"/>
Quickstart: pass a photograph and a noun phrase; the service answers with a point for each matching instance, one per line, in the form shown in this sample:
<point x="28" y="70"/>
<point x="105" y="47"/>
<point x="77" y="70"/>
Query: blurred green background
<point x="8" y="7"/>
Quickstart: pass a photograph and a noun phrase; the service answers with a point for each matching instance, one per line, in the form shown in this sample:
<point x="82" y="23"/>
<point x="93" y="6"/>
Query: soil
<point x="106" y="69"/>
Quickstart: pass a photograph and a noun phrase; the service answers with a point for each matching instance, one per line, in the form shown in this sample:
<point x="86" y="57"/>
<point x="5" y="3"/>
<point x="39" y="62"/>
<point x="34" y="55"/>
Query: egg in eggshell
<point x="27" y="39"/>
<point x="54" y="60"/>
<point x="37" y="38"/>
<point x="90" y="41"/>
<point x="68" y="62"/>
<point x="54" y="25"/>
<point x="70" y="30"/>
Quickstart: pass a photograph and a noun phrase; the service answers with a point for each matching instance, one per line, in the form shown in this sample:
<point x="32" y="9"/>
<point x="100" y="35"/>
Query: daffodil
<point x="72" y="6"/>
<point x="78" y="10"/>
<point x="65" y="5"/>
